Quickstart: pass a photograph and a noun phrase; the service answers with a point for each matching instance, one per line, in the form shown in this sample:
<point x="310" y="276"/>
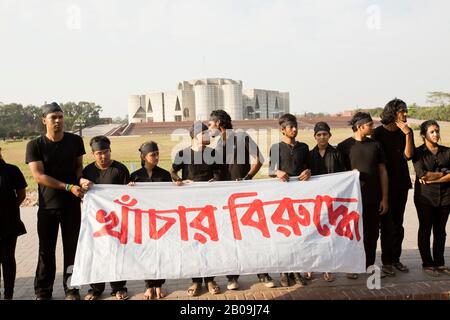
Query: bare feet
<point x="149" y="294"/>
<point x="159" y="293"/>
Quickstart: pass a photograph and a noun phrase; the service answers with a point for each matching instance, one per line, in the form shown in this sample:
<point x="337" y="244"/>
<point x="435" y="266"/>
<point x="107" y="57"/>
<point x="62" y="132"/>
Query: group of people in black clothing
<point x="380" y="155"/>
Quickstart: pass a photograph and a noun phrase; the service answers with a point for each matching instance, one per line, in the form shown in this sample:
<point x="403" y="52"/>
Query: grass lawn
<point x="125" y="149"/>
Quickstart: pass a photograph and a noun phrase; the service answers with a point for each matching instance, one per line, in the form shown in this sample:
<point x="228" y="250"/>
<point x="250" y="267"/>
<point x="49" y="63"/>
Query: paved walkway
<point x="412" y="285"/>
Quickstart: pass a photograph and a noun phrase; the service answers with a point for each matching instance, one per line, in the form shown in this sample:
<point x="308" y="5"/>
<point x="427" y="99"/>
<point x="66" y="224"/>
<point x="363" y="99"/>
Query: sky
<point x="329" y="55"/>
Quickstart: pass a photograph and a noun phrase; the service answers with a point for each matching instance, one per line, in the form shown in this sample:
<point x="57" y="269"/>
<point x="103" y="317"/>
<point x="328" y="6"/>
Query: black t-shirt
<point x="11" y="180"/>
<point x="365" y="156"/>
<point x="436" y="194"/>
<point x="331" y="162"/>
<point x="60" y="162"/>
<point x="116" y="173"/>
<point x="158" y="175"/>
<point x="197" y="165"/>
<point x="394" y="143"/>
<point x="237" y="155"/>
<point x="291" y="159"/>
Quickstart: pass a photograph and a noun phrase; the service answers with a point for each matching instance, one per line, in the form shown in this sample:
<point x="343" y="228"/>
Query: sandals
<point x="443" y="270"/>
<point x="194" y="289"/>
<point x="431" y="271"/>
<point x="213" y="288"/>
<point x="388" y="270"/>
<point x="400" y="267"/>
<point x="352" y="276"/>
<point x="308" y="275"/>
<point x="91" y="295"/>
<point x="121" y="295"/>
<point x="299" y="279"/>
<point x="328" y="277"/>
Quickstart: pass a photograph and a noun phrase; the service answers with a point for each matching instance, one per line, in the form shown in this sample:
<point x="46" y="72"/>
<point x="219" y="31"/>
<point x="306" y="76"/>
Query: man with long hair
<point x="240" y="159"/>
<point x="397" y="140"/>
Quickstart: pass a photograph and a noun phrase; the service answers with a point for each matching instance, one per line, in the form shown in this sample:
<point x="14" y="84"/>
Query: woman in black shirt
<point x="150" y="172"/>
<point x="12" y="194"/>
<point x="432" y="197"/>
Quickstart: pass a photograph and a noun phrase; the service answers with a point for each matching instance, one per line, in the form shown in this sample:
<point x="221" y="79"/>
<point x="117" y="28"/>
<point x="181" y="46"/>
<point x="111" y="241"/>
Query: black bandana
<point x="148" y="147"/>
<point x="50" y="108"/>
<point x="100" y="145"/>
<point x="291" y="124"/>
<point x="363" y="121"/>
<point x="321" y="126"/>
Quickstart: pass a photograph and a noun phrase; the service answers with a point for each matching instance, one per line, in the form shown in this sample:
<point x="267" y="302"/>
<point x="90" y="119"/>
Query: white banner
<point x="161" y="231"/>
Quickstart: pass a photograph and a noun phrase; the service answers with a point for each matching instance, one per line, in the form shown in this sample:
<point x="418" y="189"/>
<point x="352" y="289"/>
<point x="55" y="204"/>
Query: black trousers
<point x="392" y="231"/>
<point x="48" y="224"/>
<point x="199" y="280"/>
<point x="154" y="283"/>
<point x="371" y="226"/>
<point x="98" y="288"/>
<point x="432" y="219"/>
<point x="8" y="264"/>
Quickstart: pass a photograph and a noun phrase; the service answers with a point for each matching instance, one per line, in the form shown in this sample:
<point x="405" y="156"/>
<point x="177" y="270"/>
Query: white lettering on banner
<point x="161" y="231"/>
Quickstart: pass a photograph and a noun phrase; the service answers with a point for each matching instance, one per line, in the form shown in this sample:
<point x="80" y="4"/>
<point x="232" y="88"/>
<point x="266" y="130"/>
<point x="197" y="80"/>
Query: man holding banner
<point x="150" y="172"/>
<point x="324" y="159"/>
<point x="197" y="163"/>
<point x="366" y="155"/>
<point x="104" y="170"/>
<point x="56" y="161"/>
<point x="289" y="158"/>
<point x="241" y="160"/>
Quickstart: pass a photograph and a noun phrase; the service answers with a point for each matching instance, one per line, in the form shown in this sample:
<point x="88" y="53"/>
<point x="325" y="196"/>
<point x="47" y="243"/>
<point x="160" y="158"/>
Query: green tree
<point x="84" y="112"/>
<point x="438" y="98"/>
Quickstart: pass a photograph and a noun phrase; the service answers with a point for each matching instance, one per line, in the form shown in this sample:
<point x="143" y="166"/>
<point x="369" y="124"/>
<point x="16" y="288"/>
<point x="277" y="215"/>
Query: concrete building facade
<point x="195" y="99"/>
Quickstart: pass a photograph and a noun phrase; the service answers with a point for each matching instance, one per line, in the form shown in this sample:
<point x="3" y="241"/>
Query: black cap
<point x="50" y="108"/>
<point x="197" y="127"/>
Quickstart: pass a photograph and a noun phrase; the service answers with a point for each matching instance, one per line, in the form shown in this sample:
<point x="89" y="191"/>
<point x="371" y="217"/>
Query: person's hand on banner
<point x="77" y="191"/>
<point x="283" y="176"/>
<point x="305" y="175"/>
<point x="183" y="182"/>
<point x="85" y="184"/>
